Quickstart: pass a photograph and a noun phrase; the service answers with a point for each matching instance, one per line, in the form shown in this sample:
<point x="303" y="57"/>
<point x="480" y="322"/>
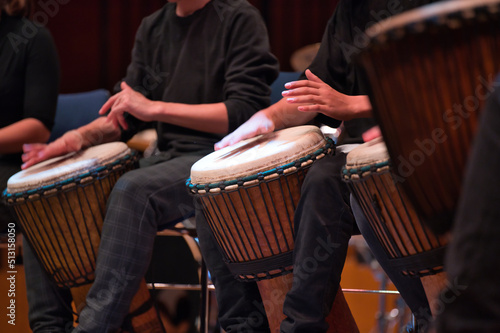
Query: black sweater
<point x="29" y="72"/>
<point x="218" y="54"/>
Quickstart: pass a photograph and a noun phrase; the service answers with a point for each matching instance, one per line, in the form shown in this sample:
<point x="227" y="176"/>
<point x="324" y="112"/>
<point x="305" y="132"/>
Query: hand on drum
<point x="258" y="124"/>
<point x="130" y="101"/>
<point x="37" y="152"/>
<point x="371" y="134"/>
<point x="317" y="96"/>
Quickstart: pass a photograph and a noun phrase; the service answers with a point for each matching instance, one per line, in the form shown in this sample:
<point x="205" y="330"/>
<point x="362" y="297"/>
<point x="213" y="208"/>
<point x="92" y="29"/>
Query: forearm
<point x="285" y="115"/>
<point x="98" y="132"/>
<point x="361" y="107"/>
<point x="29" y="130"/>
<point x="211" y="118"/>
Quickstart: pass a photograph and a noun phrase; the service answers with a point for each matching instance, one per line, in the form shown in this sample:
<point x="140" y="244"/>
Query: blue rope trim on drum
<point x="98" y="173"/>
<point x="51" y="241"/>
<point x="363" y="169"/>
<point x="329" y="147"/>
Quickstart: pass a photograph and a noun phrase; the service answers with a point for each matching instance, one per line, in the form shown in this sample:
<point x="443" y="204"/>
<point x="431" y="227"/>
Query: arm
<point x="248" y="68"/>
<point x="13" y="137"/>
<point x="301" y="104"/>
<point x="211" y="118"/>
<point x="97" y="132"/>
<point x="278" y="116"/>
<point x="40" y="91"/>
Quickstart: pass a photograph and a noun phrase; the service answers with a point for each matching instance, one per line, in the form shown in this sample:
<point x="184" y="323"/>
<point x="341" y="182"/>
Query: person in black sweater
<point x="199" y="69"/>
<point x="29" y="85"/>
<point x="330" y="91"/>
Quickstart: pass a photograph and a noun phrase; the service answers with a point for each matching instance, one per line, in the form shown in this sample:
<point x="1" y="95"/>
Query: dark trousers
<point x="141" y="202"/>
<point x="323" y="225"/>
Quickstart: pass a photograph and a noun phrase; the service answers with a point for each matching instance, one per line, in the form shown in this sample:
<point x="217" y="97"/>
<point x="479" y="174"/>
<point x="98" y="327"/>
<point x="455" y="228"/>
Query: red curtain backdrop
<point x="94" y="38"/>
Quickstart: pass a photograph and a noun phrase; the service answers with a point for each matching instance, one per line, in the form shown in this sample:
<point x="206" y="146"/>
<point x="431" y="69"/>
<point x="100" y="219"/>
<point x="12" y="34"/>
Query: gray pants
<point x="142" y="201"/>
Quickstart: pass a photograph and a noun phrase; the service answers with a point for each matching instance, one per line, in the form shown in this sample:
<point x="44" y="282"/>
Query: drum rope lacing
<point x="453" y="20"/>
<point x="59" y="266"/>
<point x="255" y="264"/>
<point x="412" y="265"/>
<point x="230" y="185"/>
<point x="84" y="179"/>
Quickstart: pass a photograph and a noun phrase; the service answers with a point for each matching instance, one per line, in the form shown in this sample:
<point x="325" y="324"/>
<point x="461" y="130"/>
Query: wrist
<point x="362" y="107"/>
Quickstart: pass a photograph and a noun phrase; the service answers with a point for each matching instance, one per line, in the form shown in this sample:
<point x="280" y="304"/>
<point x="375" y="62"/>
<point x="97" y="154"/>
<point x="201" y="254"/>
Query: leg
<point x="410" y="289"/>
<point x="240" y="305"/>
<point x="49" y="306"/>
<point x="471" y="303"/>
<point x="323" y="227"/>
<point x="140" y="201"/>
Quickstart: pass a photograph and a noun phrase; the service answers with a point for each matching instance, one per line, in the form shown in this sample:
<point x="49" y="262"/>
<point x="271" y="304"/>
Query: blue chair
<point x="77" y="109"/>
<point x="279" y="84"/>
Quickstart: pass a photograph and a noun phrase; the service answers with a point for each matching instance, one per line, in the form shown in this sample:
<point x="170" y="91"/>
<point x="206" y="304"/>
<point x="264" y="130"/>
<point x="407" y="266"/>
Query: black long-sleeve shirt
<point x="29" y="72"/>
<point x="220" y="53"/>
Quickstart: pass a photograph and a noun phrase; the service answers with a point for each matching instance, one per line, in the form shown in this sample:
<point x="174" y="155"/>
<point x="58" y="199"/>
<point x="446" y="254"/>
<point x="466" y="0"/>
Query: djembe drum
<point x="60" y="205"/>
<point x="430" y="70"/>
<point x="249" y="192"/>
<point x="413" y="249"/>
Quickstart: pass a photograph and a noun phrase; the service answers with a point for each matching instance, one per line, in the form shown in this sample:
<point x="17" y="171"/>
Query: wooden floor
<point x="357" y="275"/>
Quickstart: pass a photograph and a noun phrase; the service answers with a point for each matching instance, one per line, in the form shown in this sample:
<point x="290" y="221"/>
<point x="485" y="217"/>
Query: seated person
<point x="331" y="90"/>
<point x="213" y="75"/>
<point x="29" y="85"/>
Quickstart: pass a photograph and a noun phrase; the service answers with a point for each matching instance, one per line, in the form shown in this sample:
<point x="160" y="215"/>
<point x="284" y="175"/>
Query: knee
<point x="130" y="185"/>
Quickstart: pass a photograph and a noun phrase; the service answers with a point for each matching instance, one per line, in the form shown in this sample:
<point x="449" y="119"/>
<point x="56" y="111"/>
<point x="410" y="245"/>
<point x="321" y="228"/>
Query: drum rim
<point x="356" y="172"/>
<point x="288" y="168"/>
<point x="89" y="176"/>
<point x="447" y="14"/>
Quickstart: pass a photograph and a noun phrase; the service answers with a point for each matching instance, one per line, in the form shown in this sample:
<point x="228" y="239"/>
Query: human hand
<point x="37" y="152"/>
<point x="371" y="134"/>
<point x="258" y="124"/>
<point x="314" y="95"/>
<point x="130" y="101"/>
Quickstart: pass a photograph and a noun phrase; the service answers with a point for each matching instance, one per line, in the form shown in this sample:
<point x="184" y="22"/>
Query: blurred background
<point x="94" y="38"/>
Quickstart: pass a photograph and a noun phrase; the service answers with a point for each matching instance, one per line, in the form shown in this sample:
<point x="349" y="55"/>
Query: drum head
<point x="66" y="167"/>
<point x="258" y="154"/>
<point x="369" y="153"/>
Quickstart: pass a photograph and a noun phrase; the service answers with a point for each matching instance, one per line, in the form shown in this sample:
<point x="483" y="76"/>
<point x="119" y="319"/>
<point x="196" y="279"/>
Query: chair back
<point x="279" y="84"/>
<point x="77" y="109"/>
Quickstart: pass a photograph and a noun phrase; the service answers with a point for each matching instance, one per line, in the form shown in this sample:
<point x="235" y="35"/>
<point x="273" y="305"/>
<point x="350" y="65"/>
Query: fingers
<point x="35" y="153"/>
<point x="115" y="99"/>
<point x="253" y="127"/>
<point x="124" y="86"/>
<point x="312" y="77"/>
<point x="306" y="99"/>
<point x="372" y="133"/>
<point x="234" y="138"/>
<point x="300" y="92"/>
<point x="312" y="108"/>
<point x="109" y="103"/>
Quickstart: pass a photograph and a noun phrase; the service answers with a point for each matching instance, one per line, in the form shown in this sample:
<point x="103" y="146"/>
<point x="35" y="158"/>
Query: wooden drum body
<point x="60" y="205"/>
<point x="249" y="193"/>
<point x="414" y="250"/>
<point x="430" y="71"/>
